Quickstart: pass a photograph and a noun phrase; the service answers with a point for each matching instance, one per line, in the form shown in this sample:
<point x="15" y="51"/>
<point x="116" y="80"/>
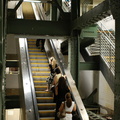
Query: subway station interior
<point x="82" y="35"/>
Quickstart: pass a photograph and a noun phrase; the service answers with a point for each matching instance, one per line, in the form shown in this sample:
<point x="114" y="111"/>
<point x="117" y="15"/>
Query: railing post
<point x="115" y="9"/>
<point x="3" y="10"/>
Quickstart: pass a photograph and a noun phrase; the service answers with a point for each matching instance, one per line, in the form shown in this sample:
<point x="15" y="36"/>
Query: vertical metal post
<point x="3" y="9"/>
<point x="115" y="8"/>
<point x="55" y="14"/>
<point x="54" y="11"/>
<point x="1" y="56"/>
<point x="117" y="71"/>
<point x="74" y="43"/>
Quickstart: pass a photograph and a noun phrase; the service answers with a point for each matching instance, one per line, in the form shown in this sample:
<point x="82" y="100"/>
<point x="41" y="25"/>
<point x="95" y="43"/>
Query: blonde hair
<point x="53" y="62"/>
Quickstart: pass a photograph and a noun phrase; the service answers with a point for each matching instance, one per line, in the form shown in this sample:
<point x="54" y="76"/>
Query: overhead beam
<point x="89" y="66"/>
<point x="97" y="13"/>
<point x="33" y="27"/>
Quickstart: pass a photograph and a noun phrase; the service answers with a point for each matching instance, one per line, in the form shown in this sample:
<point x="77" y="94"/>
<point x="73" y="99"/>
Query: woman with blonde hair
<point x="68" y="106"/>
<point x="52" y="64"/>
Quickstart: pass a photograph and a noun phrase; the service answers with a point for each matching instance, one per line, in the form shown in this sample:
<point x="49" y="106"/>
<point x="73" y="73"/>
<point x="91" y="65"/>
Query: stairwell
<point x="104" y="46"/>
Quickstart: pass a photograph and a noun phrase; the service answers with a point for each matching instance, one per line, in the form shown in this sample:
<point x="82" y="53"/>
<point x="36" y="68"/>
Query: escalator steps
<point x="40" y="73"/>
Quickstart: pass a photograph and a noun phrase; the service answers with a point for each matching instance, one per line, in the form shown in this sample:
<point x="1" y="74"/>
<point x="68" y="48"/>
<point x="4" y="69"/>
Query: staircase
<point x="104" y="46"/>
<point x="40" y="73"/>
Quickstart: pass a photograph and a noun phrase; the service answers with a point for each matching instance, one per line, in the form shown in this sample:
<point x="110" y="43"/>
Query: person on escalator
<point x="40" y="42"/>
<point x="52" y="83"/>
<point x="69" y="106"/>
<point x="60" y="91"/>
<point x="52" y="64"/>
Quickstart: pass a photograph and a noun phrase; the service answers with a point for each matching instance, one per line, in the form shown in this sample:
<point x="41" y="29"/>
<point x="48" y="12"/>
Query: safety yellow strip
<point x="40" y="76"/>
<point x="109" y="57"/>
<point x="32" y="45"/>
<point x="39" y="63"/>
<point x="46" y="111"/>
<point x="40" y="59"/>
<point x="40" y="71"/>
<point x="32" y="48"/>
<point x="41" y="86"/>
<point x="42" y="98"/>
<point x="53" y="104"/>
<point x="37" y="55"/>
<point x="35" y="52"/>
<point x="40" y="81"/>
<point x="40" y="67"/>
<point x="110" y="60"/>
<point x="31" y="40"/>
<point x="42" y="92"/>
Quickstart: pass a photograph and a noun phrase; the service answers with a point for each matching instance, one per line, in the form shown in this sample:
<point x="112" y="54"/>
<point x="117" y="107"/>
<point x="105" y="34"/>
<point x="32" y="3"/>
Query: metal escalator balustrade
<point x="40" y="73"/>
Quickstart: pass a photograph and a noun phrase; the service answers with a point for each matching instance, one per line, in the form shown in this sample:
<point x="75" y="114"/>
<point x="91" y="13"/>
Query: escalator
<point x="40" y="72"/>
<point x="43" y="105"/>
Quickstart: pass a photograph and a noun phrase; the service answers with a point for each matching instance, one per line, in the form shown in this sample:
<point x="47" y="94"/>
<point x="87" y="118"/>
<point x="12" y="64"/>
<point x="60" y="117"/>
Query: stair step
<point x="40" y="77"/>
<point x="46" y="106"/>
<point x="40" y="83"/>
<point x="38" y="60"/>
<point x="41" y="88"/>
<point x="37" y="53"/>
<point x="45" y="99"/>
<point x="44" y="94"/>
<point x="38" y="57"/>
<point x="47" y="113"/>
<point x="47" y="118"/>
<point x="40" y="73"/>
<point x="32" y="41"/>
<point x="32" y="45"/>
<point x="40" y="69"/>
<point x="39" y="64"/>
<point x="33" y="49"/>
<point x="29" y="40"/>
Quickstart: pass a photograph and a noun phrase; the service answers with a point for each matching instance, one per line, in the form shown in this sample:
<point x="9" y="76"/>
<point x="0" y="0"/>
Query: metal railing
<point x="107" y="46"/>
<point x="107" y="52"/>
<point x="102" y="29"/>
<point x="104" y="46"/>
